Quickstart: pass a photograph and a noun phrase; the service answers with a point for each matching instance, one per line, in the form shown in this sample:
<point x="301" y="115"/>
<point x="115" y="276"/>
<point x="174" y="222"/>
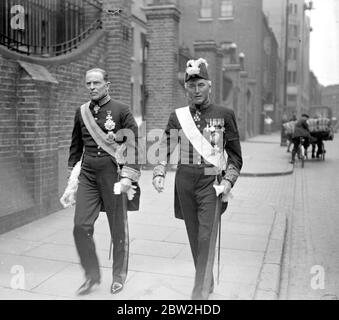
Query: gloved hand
<point x="159" y="183"/>
<point x="68" y="199"/>
<point x="227" y="190"/>
<point x="126" y="184"/>
<point x="224" y="188"/>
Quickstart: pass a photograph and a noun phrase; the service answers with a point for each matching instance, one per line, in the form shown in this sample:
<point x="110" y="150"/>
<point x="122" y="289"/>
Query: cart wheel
<point x="302" y="155"/>
<point x="324" y="151"/>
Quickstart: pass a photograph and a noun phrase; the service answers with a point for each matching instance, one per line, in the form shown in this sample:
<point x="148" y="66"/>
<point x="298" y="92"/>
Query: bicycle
<point x="301" y="152"/>
<point x="323" y="151"/>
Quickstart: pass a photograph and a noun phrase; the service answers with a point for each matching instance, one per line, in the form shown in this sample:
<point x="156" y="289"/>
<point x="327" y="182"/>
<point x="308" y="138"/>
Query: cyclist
<point x="301" y="130"/>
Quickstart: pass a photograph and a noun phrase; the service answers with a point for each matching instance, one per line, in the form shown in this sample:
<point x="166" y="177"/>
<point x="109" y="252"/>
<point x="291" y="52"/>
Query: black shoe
<point x="292" y="161"/>
<point x="87" y="287"/>
<point x="116" y="287"/>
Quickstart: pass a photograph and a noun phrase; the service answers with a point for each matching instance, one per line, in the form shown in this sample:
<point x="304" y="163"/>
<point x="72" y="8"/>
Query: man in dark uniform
<point x="99" y="173"/>
<point x="196" y="201"/>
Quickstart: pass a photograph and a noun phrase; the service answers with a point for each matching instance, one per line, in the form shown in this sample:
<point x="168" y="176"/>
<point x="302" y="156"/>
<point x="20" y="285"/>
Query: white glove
<point x="130" y="192"/>
<point x="69" y="197"/>
<point x="224" y="188"/>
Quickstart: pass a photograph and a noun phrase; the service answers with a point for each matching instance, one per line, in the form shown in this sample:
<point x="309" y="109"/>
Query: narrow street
<point x="311" y="260"/>
<point x="309" y="198"/>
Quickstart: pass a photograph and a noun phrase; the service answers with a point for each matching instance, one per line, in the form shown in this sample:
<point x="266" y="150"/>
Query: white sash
<point x="199" y="142"/>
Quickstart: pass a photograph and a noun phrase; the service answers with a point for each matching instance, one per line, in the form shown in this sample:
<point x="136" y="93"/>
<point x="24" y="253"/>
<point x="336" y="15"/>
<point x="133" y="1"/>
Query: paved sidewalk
<point x="160" y="265"/>
<point x="263" y="156"/>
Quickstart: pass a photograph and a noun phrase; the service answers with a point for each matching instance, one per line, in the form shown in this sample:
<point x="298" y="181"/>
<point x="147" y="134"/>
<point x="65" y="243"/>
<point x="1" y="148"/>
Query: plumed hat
<point x="196" y="69"/>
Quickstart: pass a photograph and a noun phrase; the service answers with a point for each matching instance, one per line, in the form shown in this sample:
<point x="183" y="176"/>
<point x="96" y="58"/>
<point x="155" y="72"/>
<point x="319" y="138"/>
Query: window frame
<point x="206" y="6"/>
<point x="229" y="9"/>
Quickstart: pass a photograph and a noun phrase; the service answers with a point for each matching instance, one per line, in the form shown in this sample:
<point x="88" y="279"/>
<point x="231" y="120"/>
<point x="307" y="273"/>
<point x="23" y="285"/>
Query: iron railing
<point x="47" y="28"/>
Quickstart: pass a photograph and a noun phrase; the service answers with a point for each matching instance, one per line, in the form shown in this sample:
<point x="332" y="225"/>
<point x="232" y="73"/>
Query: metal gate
<point x="47" y="28"/>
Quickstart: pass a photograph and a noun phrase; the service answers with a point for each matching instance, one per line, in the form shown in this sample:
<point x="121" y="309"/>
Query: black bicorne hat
<point x="196" y="69"/>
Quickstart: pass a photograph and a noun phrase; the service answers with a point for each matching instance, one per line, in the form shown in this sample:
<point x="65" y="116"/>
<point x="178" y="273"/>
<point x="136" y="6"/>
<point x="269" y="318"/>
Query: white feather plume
<point x="193" y="66"/>
<point x="68" y="199"/>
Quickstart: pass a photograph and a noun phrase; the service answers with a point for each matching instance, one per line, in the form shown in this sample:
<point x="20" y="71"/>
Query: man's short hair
<point x="102" y="71"/>
<point x="305" y="115"/>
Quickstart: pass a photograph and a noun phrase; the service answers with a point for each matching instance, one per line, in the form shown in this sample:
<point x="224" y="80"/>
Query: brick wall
<point x="37" y="118"/>
<point x="14" y="195"/>
<point x="119" y="46"/>
<point x="162" y="83"/>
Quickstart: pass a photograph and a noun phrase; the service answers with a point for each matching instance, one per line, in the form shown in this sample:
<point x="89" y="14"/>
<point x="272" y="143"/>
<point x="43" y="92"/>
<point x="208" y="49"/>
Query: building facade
<point x="234" y="32"/>
<point x="315" y="91"/>
<point x="289" y="21"/>
<point x="330" y="98"/>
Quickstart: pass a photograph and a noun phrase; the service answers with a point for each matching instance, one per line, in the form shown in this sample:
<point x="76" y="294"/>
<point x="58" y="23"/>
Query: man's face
<point x="198" y="90"/>
<point x="96" y="85"/>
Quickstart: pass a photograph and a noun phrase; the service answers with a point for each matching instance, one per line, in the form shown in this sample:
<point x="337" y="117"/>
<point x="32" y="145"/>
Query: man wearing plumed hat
<point x="209" y="164"/>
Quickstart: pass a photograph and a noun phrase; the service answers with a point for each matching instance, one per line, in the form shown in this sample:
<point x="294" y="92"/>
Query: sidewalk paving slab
<point x="160" y="261"/>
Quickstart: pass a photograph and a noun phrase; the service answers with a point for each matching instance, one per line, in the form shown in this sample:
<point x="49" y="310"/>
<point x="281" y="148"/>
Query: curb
<point x="269" y="278"/>
<point x="268" y="174"/>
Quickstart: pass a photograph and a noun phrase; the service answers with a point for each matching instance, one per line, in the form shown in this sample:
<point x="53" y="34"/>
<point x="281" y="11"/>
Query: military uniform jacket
<point x="207" y="115"/>
<point x="82" y="141"/>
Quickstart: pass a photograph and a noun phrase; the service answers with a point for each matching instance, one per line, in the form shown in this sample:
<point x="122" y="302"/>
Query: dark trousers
<point x="197" y="201"/>
<point x="95" y="194"/>
<point x="318" y="137"/>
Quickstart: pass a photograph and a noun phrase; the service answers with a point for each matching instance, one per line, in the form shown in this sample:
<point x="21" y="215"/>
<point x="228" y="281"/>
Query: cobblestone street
<point x="309" y="198"/>
<point x="313" y="230"/>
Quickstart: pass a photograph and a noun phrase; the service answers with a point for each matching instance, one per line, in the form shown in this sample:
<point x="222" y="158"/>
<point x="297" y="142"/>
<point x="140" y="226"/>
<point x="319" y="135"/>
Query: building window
<point x="293" y="30"/>
<point x="226" y="88"/>
<point x="292" y="77"/>
<point x="132" y="40"/>
<point x="226" y="9"/>
<point x="292" y="98"/>
<point x="292" y="53"/>
<point x="206" y="9"/>
<point x="293" y="9"/>
<point x="132" y="94"/>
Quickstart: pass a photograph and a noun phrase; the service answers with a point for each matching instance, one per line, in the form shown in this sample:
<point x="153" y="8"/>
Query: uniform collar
<point x="201" y="107"/>
<point x="102" y="101"/>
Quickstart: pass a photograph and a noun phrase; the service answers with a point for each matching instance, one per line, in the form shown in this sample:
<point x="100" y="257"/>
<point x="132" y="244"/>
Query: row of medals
<point x="109" y="124"/>
<point x="212" y="124"/>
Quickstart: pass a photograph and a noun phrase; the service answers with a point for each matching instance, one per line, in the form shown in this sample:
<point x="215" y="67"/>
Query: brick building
<point x="289" y="21"/>
<point x="239" y="44"/>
